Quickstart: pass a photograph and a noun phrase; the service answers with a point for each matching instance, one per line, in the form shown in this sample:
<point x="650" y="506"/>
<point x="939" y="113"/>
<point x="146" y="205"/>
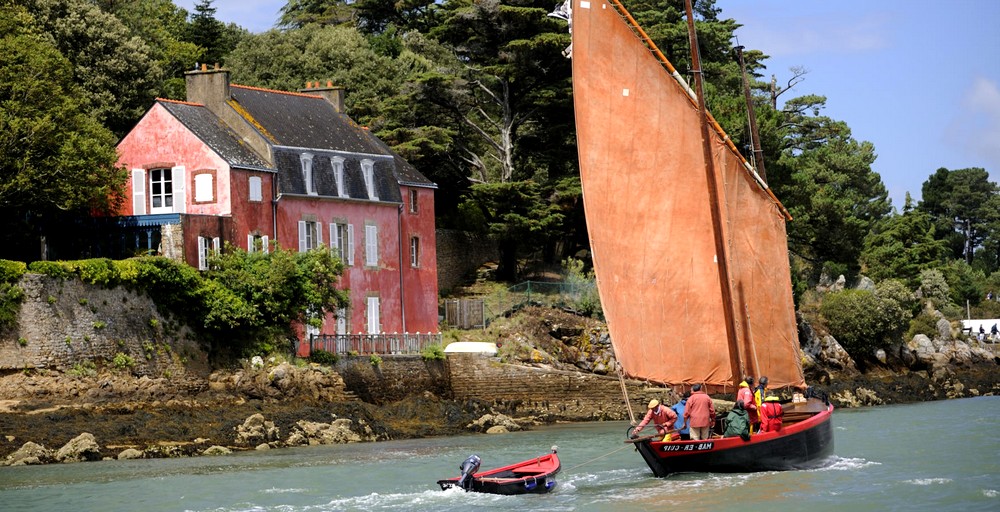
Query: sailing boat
<point x="688" y="242"/>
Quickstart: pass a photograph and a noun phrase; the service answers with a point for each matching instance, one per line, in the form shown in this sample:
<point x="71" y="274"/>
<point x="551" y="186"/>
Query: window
<point x="206" y="247"/>
<point x="310" y="236"/>
<point x="413" y="201"/>
<point x="342" y="321"/>
<point x="204" y="188"/>
<point x="338" y="174"/>
<point x="258" y="243"/>
<point x="373" y="316"/>
<point x="371" y="245"/>
<point x="368" y="168"/>
<point x="138" y="192"/>
<point x="414" y="252"/>
<point x="161" y="191"/>
<point x="338" y="240"/>
<point x="307" y="173"/>
<point x="255" y="189"/>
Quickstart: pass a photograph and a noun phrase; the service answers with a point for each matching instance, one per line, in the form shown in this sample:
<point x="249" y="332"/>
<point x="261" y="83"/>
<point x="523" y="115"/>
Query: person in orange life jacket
<point x="699" y="413"/>
<point x="749" y="404"/>
<point x="771" y="414"/>
<point x="663" y="419"/>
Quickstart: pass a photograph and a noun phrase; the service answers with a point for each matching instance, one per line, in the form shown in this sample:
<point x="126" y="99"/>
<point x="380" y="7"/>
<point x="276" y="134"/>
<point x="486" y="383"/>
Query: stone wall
<point x="458" y="254"/>
<point x="563" y="394"/>
<point x="64" y="322"/>
<point x="395" y="378"/>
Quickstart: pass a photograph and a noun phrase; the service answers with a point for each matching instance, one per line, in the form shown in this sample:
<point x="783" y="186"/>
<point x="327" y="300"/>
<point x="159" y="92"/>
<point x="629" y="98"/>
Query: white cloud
<point x="976" y="126"/>
<point x="824" y="33"/>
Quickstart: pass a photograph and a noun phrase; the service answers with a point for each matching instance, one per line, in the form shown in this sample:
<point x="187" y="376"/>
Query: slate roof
<point x="297" y="123"/>
<point x="216" y="134"/>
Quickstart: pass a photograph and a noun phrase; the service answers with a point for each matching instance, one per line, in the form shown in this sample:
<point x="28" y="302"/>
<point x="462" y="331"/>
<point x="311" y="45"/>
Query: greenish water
<point x="938" y="456"/>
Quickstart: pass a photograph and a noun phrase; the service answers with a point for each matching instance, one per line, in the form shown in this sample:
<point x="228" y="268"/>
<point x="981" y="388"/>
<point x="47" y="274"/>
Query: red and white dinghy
<point x="532" y="476"/>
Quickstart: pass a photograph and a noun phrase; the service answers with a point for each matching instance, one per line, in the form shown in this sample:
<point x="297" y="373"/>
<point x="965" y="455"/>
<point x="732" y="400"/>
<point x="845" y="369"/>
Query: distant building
<point x="254" y="167"/>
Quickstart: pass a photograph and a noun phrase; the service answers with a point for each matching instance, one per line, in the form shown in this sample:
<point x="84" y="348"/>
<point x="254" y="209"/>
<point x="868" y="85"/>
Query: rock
<point x="880" y="355"/>
<point x="256" y="430"/>
<point x="81" y="448"/>
<point x="262" y="447"/>
<point x="130" y="453"/>
<point x="922" y="348"/>
<point x="865" y="284"/>
<point x="944" y="329"/>
<point x="337" y="432"/>
<point x="216" y="450"/>
<point x="487" y="421"/>
<point x="497" y="429"/>
<point x="29" y="454"/>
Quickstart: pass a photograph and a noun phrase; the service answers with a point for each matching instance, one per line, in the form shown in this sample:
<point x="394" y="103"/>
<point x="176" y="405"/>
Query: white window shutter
<point x="302" y="236"/>
<point x="180" y="199"/>
<point x="138" y="192"/>
<point x="318" y="227"/>
<point x="250" y="247"/>
<point x="263" y="245"/>
<point x="216" y="245"/>
<point x="202" y="250"/>
<point x="373" y="319"/>
<point x="371" y="245"/>
<point x="350" y="244"/>
<point x="334" y="244"/>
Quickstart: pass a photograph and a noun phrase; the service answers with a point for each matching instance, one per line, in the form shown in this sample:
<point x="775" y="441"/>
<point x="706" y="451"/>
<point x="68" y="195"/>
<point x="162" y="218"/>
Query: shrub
<point x="85" y="368"/>
<point x="375" y="360"/>
<point x="22" y="341"/>
<point x="432" y="353"/>
<point x="863" y="321"/>
<point x="99" y="271"/>
<point x="11" y="271"/>
<point x="51" y="268"/>
<point x="123" y="361"/>
<point x="320" y="356"/>
<point x="933" y="287"/>
<point x="11" y="297"/>
<point x="925" y="324"/>
<point x="99" y="324"/>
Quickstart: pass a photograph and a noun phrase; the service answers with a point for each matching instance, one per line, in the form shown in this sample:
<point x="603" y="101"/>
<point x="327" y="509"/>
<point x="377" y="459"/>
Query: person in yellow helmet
<point x="663" y="419"/>
<point x="771" y="414"/>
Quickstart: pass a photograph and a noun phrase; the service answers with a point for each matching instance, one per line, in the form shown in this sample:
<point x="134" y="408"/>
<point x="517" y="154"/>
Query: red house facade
<point x="255" y="167"/>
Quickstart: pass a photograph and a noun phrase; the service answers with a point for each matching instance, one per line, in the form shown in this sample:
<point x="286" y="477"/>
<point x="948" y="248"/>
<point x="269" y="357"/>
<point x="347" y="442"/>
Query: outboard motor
<point x="468" y="468"/>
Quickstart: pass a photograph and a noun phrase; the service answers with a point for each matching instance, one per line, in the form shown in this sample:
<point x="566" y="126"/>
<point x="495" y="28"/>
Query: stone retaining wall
<point x="458" y="253"/>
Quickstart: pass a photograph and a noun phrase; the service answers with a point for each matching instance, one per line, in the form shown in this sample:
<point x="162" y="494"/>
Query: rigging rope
<point x="621" y="380"/>
<point x="601" y="457"/>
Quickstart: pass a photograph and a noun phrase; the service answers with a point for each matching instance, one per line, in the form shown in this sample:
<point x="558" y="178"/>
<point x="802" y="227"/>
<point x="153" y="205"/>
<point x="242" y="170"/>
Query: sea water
<point x="938" y="456"/>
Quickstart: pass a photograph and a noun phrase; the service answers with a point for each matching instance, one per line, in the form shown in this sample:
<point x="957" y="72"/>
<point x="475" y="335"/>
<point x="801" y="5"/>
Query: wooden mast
<point x="715" y="193"/>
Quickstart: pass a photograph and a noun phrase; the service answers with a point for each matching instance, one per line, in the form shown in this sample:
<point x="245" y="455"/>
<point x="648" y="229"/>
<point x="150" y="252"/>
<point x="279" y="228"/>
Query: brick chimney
<point x="210" y="87"/>
<point x="334" y="95"/>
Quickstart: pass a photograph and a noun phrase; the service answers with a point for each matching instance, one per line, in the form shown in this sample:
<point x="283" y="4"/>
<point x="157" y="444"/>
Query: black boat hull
<point x="533" y="485"/>
<point x="801" y="446"/>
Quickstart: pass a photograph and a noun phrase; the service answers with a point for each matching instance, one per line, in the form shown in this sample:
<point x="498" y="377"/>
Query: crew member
<point x="663" y="419"/>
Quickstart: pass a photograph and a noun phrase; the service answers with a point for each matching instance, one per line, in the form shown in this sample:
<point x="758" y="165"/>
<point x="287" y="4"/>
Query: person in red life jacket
<point x="699" y="413"/>
<point x="749" y="404"/>
<point x="663" y="419"/>
<point x="771" y="414"/>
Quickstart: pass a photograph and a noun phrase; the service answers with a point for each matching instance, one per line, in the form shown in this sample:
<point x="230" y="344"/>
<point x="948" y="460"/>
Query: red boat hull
<point x="534" y="476"/>
<point x="802" y="445"/>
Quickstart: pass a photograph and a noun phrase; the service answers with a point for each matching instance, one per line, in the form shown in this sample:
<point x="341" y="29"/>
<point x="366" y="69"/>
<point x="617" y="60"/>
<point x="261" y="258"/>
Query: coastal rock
<point x="255" y="430"/>
<point x="944" y="329"/>
<point x="29" y="454"/>
<point x="313" y="433"/>
<point x="216" y="450"/>
<point x="130" y="453"/>
<point x="497" y="429"/>
<point x="922" y="348"/>
<point x="860" y="398"/>
<point x="488" y="421"/>
<point x="81" y="448"/>
<point x="865" y="283"/>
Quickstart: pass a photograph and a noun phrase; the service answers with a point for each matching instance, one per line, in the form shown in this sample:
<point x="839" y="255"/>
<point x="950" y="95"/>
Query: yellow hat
<point x="771" y="398"/>
<point x="653" y="403"/>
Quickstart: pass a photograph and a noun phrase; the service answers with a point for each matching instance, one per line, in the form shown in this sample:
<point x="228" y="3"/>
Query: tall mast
<point x="758" y="153"/>
<point x="715" y="193"/>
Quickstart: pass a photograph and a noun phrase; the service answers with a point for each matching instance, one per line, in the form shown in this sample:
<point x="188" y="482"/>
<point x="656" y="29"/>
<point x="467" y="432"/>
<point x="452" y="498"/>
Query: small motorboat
<point x="533" y="476"/>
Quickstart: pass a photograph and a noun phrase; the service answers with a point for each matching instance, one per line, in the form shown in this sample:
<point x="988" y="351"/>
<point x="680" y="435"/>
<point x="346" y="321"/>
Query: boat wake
<point x="835" y="463"/>
<point x="928" y="481"/>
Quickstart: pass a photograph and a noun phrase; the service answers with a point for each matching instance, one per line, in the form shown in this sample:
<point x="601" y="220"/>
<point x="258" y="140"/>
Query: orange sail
<point x="649" y="215"/>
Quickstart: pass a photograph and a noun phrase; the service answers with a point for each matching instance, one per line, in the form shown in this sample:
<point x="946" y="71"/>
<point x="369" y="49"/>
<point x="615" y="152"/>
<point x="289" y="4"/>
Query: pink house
<point x="256" y="167"/>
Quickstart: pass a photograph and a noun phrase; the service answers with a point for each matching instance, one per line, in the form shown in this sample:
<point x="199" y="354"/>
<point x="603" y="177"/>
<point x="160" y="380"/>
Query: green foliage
<point x="901" y="246"/>
<point x="924" y="323"/>
<point x="587" y="301"/>
<point x="85" y="368"/>
<point x="320" y="356"/>
<point x="934" y="287"/>
<point x="962" y="282"/>
<point x="433" y="353"/>
<point x="375" y="360"/>
<point x="22" y="341"/>
<point x="122" y="361"/>
<point x="961" y="202"/>
<point x="11" y="271"/>
<point x="51" y="299"/>
<point x="55" y="269"/>
<point x="99" y="324"/>
<point x="863" y="321"/>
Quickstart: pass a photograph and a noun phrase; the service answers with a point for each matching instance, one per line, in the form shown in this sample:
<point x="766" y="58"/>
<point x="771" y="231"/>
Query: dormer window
<point x="338" y="174"/>
<point x="368" y="168"/>
<point x="307" y="173"/>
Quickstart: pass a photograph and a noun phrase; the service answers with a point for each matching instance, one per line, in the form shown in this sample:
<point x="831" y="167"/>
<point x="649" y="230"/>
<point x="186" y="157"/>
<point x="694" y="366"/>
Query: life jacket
<point x="771" y="415"/>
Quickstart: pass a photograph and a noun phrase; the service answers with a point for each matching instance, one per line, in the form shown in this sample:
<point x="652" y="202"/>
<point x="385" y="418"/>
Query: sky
<point x="919" y="79"/>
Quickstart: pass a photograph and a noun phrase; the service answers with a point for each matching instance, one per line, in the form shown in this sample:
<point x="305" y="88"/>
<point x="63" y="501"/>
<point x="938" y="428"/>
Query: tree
<point x="207" y="32"/>
<point x="56" y="160"/>
<point x="864" y="321"/>
<point x="299" y="13"/>
<point x="960" y="200"/>
<point x="901" y="246"/>
<point x="114" y="68"/>
<point x="825" y="179"/>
